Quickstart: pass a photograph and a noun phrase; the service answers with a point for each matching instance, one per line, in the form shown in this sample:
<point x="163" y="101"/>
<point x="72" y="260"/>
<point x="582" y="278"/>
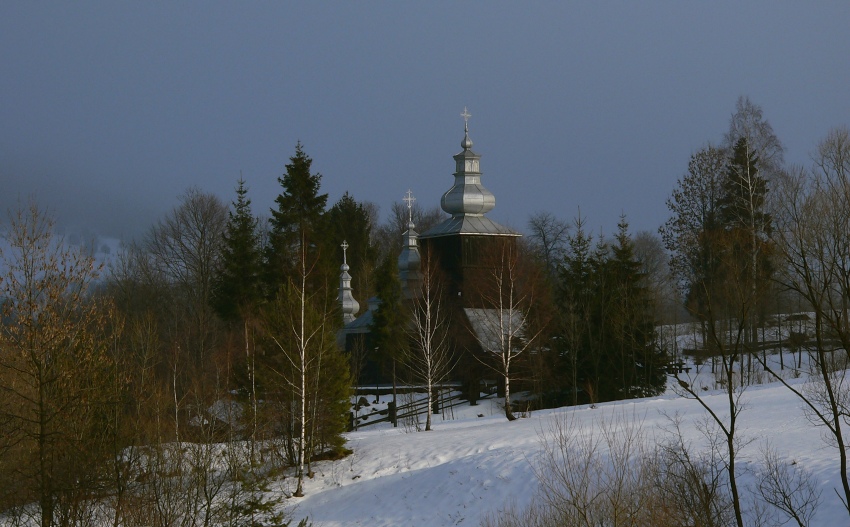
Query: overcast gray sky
<point x="110" y="110"/>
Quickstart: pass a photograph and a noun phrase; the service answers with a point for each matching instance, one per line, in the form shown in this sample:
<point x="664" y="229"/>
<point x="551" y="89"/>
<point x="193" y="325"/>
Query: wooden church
<point x="461" y="246"/>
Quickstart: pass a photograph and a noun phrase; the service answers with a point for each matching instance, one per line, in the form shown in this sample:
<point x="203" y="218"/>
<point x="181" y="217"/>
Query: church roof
<point x="363" y="323"/>
<point x="487" y="324"/>
<point x="468" y="225"/>
<point x="468" y="201"/>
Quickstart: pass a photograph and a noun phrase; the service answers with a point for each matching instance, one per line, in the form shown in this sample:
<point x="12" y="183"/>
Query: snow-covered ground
<point x="478" y="462"/>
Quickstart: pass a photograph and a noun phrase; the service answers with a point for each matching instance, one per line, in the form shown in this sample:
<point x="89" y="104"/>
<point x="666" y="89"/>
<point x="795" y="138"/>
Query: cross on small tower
<point x="466" y="115"/>
<point x="409" y="199"/>
<point x="344" y="248"/>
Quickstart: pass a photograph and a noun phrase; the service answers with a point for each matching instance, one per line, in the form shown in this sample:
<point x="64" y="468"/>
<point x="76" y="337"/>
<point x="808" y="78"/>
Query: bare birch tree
<point x="311" y="374"/>
<point x="430" y="358"/>
<point x="748" y="122"/>
<point x="506" y="290"/>
<point x="295" y="336"/>
<point x="184" y="250"/>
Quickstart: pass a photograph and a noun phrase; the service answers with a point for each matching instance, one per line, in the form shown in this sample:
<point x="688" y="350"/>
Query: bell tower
<point x="459" y="242"/>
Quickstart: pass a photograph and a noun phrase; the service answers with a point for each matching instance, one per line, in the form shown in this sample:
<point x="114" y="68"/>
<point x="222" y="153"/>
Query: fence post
<point x="392" y="414"/>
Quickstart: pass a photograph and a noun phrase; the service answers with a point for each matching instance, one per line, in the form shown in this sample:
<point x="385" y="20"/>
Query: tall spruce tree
<point x="237" y="287"/>
<point x="642" y="363"/>
<point x="576" y="294"/>
<point x="743" y="191"/>
<point x="301" y="362"/>
<point x="296" y="222"/>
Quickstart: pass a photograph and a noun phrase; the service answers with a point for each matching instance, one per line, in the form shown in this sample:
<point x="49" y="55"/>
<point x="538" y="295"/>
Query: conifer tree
<point x="349" y="220"/>
<point x="237" y="287"/>
<point x="573" y="304"/>
<point x="237" y="292"/>
<point x="607" y="329"/>
<point x="296" y="222"/>
<point x="388" y="332"/>
<point x="301" y="363"/>
<point x="694" y="232"/>
<point x="641" y="361"/>
<point x="747" y="226"/>
<point x="743" y="191"/>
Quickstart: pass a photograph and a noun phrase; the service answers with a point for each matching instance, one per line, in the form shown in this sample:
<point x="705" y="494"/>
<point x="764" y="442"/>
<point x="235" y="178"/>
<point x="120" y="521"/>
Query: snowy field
<point x="478" y="462"/>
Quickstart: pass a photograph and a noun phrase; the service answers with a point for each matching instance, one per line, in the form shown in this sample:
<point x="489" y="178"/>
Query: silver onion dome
<point x="467" y="197"/>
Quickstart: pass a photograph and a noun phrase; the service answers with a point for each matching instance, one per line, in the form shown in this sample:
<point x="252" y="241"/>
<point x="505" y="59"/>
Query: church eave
<point x="468" y="225"/>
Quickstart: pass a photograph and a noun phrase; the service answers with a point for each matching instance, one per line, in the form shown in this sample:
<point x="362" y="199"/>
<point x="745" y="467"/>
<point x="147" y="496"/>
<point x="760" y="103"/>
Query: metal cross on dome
<point x="409" y="199"/>
<point x="344" y="248"/>
<point x="466" y="115"/>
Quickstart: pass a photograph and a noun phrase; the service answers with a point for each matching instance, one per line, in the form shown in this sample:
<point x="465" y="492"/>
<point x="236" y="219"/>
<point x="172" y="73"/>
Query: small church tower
<point x="348" y="305"/>
<point x="409" y="260"/>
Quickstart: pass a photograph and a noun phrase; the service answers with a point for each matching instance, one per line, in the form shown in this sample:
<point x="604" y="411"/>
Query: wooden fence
<point x="441" y="402"/>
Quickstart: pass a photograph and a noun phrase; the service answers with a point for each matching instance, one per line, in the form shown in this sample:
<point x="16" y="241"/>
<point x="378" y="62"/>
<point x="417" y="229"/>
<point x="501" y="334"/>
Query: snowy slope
<point x="471" y="466"/>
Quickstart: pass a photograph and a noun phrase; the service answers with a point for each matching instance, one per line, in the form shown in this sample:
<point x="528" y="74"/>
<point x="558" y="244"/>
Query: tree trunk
<point x="395" y="401"/>
<point x="428" y="408"/>
<point x="45" y="476"/>
<point x="508" y="413"/>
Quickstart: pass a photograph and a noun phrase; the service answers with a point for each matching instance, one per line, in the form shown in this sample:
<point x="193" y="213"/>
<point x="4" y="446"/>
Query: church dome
<point x="467" y="196"/>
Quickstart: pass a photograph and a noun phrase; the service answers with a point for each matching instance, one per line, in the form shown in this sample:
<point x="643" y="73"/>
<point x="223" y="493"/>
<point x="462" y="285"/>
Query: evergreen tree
<point x="607" y="334"/>
<point x="296" y="222"/>
<point x="350" y="221"/>
<point x="694" y="232"/>
<point x="600" y="374"/>
<point x="237" y="286"/>
<point x="641" y="364"/>
<point x="388" y="331"/>
<point x="301" y="361"/>
<point x="743" y="192"/>
<point x="747" y="227"/>
<point x="575" y="294"/>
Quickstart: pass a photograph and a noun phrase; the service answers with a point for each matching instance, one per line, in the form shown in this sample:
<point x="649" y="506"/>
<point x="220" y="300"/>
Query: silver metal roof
<point x="468" y="225"/>
<point x="492" y="327"/>
<point x="363" y="323"/>
<point x="468" y="201"/>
